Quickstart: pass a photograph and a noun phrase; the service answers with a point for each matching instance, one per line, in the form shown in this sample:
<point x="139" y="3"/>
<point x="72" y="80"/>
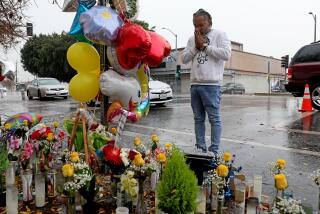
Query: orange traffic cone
<point x="306" y="103"/>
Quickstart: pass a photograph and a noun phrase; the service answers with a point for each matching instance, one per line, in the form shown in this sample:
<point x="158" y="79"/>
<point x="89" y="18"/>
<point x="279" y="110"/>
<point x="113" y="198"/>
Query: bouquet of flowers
<point x="47" y="141"/>
<point x="12" y="137"/>
<point x="76" y="172"/>
<point x="223" y="174"/>
<point x="286" y="206"/>
<point x="147" y="159"/>
<point x="277" y="169"/>
<point x="115" y="158"/>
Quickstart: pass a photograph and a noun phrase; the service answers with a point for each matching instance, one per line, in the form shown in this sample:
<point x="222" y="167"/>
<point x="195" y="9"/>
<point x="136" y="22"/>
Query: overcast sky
<point x="270" y="28"/>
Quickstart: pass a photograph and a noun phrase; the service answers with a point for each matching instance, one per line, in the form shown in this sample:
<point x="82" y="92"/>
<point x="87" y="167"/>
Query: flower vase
<point x="11" y="174"/>
<point x="26" y="177"/>
<point x="220" y="203"/>
<point x="71" y="205"/>
<point x="141" y="207"/>
<point x="12" y="200"/>
<point x="40" y="189"/>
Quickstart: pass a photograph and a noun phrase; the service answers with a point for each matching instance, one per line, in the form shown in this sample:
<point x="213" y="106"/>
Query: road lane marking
<point x="297" y="131"/>
<point x="285" y="123"/>
<point x="244" y="142"/>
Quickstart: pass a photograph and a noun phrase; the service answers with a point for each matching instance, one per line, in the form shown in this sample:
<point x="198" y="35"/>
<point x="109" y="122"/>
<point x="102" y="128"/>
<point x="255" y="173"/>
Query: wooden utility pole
<point x="104" y="99"/>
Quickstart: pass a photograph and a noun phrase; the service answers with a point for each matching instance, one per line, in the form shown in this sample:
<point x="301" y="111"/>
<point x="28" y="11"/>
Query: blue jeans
<point x="206" y="98"/>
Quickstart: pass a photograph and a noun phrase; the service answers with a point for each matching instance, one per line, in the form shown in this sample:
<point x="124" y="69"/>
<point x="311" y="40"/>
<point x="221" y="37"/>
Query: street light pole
<point x="176" y="76"/>
<point x="315" y="25"/>
<point x="175" y="35"/>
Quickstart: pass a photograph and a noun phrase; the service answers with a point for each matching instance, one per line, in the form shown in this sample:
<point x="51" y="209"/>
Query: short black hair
<point x="202" y="12"/>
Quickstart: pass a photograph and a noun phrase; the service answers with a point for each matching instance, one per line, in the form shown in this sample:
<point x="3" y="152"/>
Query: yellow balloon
<point x="143" y="80"/>
<point x="83" y="57"/>
<point x="84" y="87"/>
<point x="96" y="72"/>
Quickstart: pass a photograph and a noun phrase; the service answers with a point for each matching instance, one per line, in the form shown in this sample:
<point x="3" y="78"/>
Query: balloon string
<point x="123" y="17"/>
<point x="95" y="106"/>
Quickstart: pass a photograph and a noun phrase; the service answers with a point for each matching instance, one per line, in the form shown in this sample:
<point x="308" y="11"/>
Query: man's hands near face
<point x="199" y="40"/>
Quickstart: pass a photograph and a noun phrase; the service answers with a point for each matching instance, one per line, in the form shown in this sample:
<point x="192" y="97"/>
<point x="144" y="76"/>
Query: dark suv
<point x="305" y="68"/>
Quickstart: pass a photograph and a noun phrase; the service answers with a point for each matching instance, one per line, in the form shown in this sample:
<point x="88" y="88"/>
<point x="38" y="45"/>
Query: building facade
<point x="257" y="73"/>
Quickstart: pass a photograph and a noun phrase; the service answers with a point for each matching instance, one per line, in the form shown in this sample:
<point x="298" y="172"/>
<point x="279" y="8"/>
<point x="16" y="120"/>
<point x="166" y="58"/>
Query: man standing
<point x="207" y="50"/>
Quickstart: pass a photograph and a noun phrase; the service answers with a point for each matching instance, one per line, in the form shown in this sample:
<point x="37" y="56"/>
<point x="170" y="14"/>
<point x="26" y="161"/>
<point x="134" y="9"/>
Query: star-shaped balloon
<point x="76" y="29"/>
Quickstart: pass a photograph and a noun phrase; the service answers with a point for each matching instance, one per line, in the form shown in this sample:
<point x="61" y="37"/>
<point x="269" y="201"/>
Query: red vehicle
<point x="304" y="69"/>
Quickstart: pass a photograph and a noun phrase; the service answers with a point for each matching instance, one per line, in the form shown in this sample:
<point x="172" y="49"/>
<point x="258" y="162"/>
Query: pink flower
<point x="14" y="143"/>
<point x="27" y="150"/>
<point x="157" y="151"/>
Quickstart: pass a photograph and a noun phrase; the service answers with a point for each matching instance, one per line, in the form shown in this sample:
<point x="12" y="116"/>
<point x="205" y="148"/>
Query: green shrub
<point x="177" y="190"/>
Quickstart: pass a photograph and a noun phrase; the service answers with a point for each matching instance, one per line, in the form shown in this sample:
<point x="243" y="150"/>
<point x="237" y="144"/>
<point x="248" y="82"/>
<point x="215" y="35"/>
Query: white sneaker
<point x="199" y="150"/>
<point x="211" y="154"/>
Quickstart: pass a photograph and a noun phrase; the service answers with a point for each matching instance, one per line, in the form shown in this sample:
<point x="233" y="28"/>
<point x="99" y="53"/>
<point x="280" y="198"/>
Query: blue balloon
<point x="101" y="25"/>
<point x="88" y="3"/>
<point x="76" y="29"/>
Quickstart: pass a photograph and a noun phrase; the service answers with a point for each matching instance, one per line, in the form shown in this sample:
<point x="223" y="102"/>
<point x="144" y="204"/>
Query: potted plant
<point x="177" y="190"/>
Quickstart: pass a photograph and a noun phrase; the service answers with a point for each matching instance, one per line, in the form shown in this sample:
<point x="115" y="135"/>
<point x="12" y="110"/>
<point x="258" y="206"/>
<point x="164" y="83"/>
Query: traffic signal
<point x="29" y="29"/>
<point x="178" y="71"/>
<point x="285" y="61"/>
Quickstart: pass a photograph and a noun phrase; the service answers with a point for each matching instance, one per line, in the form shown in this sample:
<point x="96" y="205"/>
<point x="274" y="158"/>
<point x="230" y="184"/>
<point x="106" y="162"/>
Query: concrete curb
<point x="273" y="94"/>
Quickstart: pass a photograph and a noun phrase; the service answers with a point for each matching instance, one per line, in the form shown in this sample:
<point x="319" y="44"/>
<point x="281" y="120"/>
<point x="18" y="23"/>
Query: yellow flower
<point x="55" y="124"/>
<point x="222" y="170"/>
<point x="281" y="164"/>
<point x="168" y="146"/>
<point x="25" y="122"/>
<point x="155" y="138"/>
<point x="74" y="157"/>
<point x="67" y="170"/>
<point x="161" y="158"/>
<point x="138" y="160"/>
<point x="7" y="126"/>
<point x="114" y="131"/>
<point x="227" y="156"/>
<point x="137" y="141"/>
<point x="50" y="136"/>
<point x="280" y="181"/>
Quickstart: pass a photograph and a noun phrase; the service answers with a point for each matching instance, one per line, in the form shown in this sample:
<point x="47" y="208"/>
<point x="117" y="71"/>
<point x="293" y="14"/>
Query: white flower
<point x="315" y="176"/>
<point x="290" y="206"/>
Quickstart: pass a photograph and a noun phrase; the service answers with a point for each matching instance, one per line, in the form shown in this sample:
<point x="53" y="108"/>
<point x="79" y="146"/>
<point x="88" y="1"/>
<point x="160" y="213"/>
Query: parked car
<point x="159" y="92"/>
<point x="233" y="88"/>
<point x="46" y="87"/>
<point x="278" y="86"/>
<point x="305" y="68"/>
<point x="3" y="91"/>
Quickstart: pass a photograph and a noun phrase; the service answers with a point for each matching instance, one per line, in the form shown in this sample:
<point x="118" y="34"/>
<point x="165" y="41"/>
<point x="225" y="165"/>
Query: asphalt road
<point x="257" y="129"/>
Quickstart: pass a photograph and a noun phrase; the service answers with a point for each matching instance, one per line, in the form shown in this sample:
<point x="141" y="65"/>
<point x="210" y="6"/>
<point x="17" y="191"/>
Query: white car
<point x="3" y="91"/>
<point x="47" y="87"/>
<point x="159" y="92"/>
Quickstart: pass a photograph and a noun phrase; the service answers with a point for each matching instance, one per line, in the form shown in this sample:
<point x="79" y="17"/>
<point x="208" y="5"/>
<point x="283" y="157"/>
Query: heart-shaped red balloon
<point x="133" y="44"/>
<point x="160" y="48"/>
